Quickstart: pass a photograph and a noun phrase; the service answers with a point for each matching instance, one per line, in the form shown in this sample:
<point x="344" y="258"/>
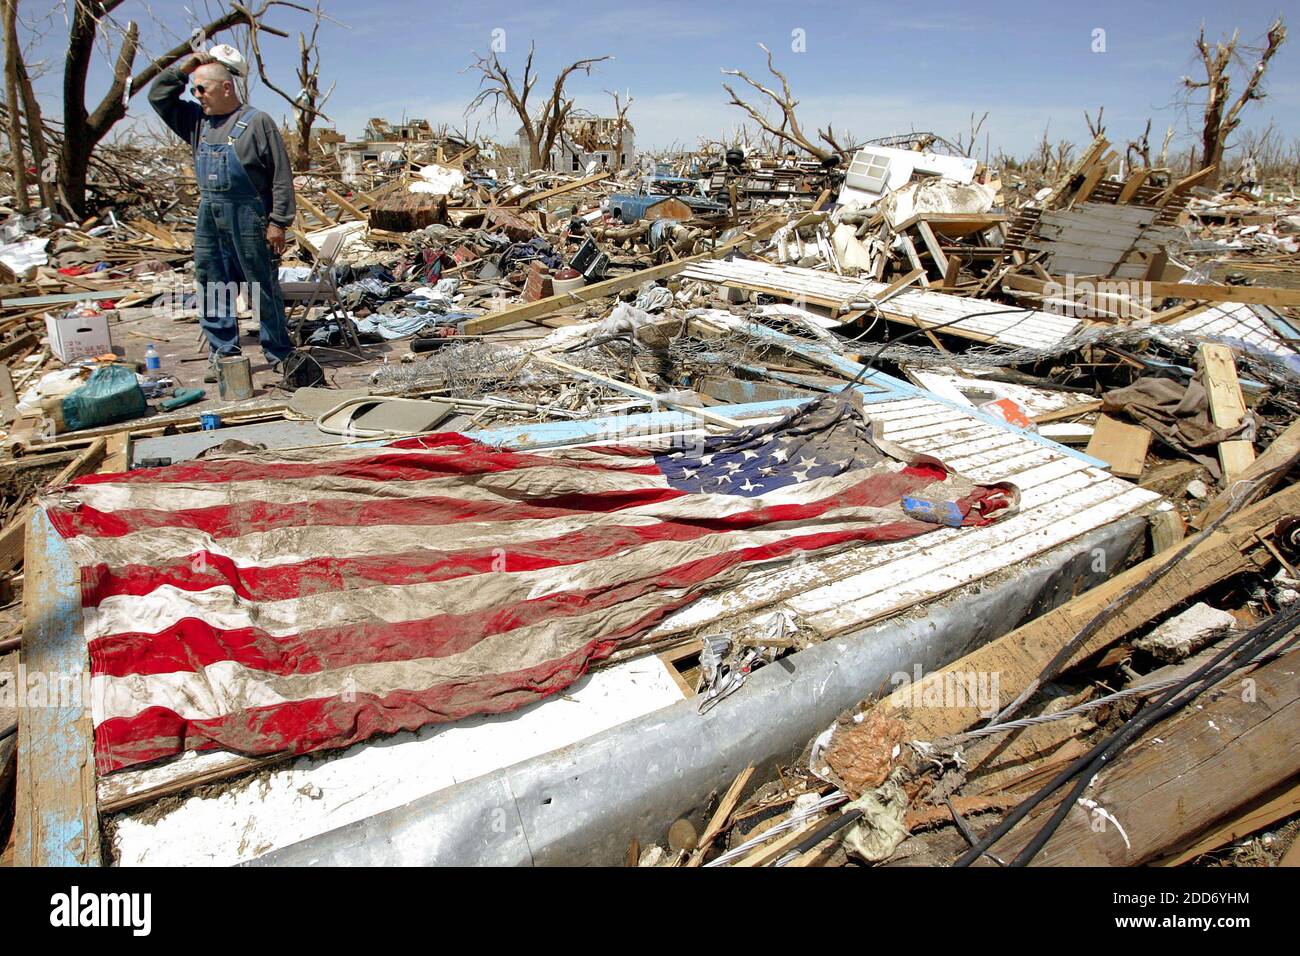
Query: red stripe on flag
<point x="300" y="727"/>
<point x="202" y="570"/>
<point x="304" y="726"/>
<point x="252" y="517"/>
<point x="190" y="643"/>
<point x="469" y="458"/>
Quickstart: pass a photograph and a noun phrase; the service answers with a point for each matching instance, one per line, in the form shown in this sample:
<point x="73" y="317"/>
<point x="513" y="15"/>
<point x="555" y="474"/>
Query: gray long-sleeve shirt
<point x="260" y="150"/>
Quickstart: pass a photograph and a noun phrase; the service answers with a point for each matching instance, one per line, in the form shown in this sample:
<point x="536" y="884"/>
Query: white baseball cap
<point x="230" y="58"/>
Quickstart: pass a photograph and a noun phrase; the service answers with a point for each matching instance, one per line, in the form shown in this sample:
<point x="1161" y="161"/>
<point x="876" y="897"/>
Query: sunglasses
<point x="198" y="88"/>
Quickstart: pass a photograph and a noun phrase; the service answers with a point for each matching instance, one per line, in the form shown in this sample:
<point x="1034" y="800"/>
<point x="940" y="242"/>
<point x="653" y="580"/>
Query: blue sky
<point x="871" y="68"/>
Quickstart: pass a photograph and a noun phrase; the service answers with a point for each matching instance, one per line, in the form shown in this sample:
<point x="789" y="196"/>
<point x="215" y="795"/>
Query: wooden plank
<point x="951" y="274"/>
<point x="18" y="343"/>
<point x="1068" y="411"/>
<point x="8" y="397"/>
<point x="346" y="206"/>
<point x="914" y="259"/>
<point x="1183" y="184"/>
<point x="1121" y="445"/>
<point x="56" y="821"/>
<point x="117" y="453"/>
<point x="726" y="806"/>
<point x="533" y="310"/>
<point x="1211" y="758"/>
<point x="67" y="297"/>
<point x="312" y="208"/>
<point x="1090" y="181"/>
<point x="1280" y="802"/>
<point x="14" y="534"/>
<point x="763" y="855"/>
<point x="561" y="190"/>
<point x="1099" y="215"/>
<point x="1285" y="448"/>
<point x="932" y="246"/>
<point x="1090" y="156"/>
<point x="1133" y="184"/>
<point x="1227" y="405"/>
<point x="1020" y="656"/>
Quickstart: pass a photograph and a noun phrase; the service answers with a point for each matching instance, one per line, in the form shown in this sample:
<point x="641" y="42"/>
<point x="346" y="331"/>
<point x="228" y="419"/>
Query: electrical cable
<point x="1171" y="703"/>
<point x="1263" y="635"/>
<point x="1241" y="492"/>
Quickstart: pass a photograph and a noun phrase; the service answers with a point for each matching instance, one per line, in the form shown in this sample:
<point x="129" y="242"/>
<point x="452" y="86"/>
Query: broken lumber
<point x="536" y="198"/>
<point x="13" y="534"/>
<point x="1279" y="803"/>
<point x="1284" y="449"/>
<point x="56" y="821"/>
<point x="1206" y="762"/>
<point x="1121" y="445"/>
<point x="1227" y="406"/>
<point x="1020" y="656"/>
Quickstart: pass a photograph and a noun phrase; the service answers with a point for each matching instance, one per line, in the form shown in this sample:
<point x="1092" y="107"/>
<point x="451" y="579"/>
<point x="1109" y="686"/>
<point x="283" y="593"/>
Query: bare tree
<point x="83" y="129"/>
<point x="789" y="130"/>
<point x="967" y="146"/>
<point x="540" y="130"/>
<point x="309" y="101"/>
<point x="620" y="119"/>
<point x="1220" y="117"/>
<point x="1138" y="152"/>
<point x="13" y="56"/>
<point x="1095" y="127"/>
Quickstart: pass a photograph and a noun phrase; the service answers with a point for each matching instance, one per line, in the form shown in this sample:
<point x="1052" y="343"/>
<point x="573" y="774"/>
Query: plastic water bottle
<point x="152" y="362"/>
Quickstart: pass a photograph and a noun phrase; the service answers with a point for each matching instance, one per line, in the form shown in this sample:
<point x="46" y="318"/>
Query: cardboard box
<point x="78" y="337"/>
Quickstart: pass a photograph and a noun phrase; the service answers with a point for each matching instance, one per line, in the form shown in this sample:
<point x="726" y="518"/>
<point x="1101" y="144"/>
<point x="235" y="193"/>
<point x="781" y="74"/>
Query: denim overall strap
<point x="220" y="174"/>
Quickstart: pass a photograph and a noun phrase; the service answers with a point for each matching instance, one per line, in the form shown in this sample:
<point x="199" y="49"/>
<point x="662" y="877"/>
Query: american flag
<point x="296" y="600"/>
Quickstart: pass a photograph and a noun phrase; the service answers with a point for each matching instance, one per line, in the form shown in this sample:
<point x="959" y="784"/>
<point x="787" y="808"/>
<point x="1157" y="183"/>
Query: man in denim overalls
<point x="246" y="201"/>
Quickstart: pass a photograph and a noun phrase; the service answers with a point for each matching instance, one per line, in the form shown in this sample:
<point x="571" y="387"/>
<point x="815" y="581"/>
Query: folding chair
<point x="319" y="291"/>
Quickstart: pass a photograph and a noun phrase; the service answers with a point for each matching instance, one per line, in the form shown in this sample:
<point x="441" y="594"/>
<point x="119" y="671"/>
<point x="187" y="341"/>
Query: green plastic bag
<point x="112" y="394"/>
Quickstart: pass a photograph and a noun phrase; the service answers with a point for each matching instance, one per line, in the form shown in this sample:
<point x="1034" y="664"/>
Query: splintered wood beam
<point x="1217" y="755"/>
<point x="1133" y="184"/>
<point x="312" y="208"/>
<point x="1020" y="656"/>
<point x="560" y="190"/>
<point x="345" y="206"/>
<point x="932" y="246"/>
<point x="1167" y="196"/>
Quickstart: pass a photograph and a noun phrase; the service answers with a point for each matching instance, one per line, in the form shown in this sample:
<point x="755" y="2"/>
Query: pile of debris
<point x="1113" y="347"/>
